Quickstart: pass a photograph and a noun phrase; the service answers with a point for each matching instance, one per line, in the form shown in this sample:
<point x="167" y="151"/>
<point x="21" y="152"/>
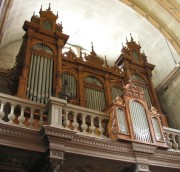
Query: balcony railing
<point x="172" y="138"/>
<point x="79" y="119"/>
<point x="18" y="111"/>
<point x="59" y="113"/>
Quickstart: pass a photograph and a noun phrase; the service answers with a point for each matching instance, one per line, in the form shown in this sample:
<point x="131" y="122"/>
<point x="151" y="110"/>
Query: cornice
<point x="20" y="137"/>
<point x="105" y="148"/>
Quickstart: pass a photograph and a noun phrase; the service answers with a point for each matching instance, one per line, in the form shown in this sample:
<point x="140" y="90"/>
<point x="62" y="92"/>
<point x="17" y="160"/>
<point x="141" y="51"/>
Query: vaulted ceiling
<point x="106" y="23"/>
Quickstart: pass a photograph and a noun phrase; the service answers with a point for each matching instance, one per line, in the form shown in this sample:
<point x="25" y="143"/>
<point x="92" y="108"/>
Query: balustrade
<point x="172" y="138"/>
<point x="25" y="113"/>
<point x="78" y="119"/>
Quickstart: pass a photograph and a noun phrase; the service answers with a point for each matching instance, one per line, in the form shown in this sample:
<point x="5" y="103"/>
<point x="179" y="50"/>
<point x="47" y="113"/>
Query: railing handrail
<point x="21" y="101"/>
<point x="171" y="130"/>
<point x="79" y="109"/>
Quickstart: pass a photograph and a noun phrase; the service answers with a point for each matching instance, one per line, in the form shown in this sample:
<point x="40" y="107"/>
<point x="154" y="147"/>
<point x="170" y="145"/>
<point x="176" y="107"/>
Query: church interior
<point x="89" y="86"/>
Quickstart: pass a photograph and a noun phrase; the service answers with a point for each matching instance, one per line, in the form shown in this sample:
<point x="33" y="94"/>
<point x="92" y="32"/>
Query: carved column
<point x="81" y="86"/>
<point x="58" y="68"/>
<point x="155" y="99"/>
<point x="25" y="70"/>
<point x="55" y="160"/>
<point x="108" y="89"/>
<point x="127" y="71"/>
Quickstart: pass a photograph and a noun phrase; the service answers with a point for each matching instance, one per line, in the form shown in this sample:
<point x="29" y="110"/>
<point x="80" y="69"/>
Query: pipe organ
<point x="43" y="70"/>
<point x="132" y="120"/>
<point x="39" y="86"/>
<point x="94" y="92"/>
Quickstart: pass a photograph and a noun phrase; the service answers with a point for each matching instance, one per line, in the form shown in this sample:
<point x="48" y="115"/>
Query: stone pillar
<point x="55" y="160"/>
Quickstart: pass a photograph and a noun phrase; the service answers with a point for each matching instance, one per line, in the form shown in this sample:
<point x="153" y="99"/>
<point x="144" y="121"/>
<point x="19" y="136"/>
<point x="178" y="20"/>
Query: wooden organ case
<point x="43" y="71"/>
<point x="133" y="117"/>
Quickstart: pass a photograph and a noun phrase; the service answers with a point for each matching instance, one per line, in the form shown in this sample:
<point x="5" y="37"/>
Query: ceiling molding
<point x="168" y="34"/>
<point x="172" y="7"/>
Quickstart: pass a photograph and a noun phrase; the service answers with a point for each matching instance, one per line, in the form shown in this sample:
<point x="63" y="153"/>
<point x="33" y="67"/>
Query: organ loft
<point x="44" y="73"/>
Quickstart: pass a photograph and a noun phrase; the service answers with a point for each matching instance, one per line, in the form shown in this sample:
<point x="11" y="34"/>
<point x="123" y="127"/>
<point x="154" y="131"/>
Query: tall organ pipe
<point x="33" y="77"/>
<point x="50" y="75"/>
<point x="30" y="76"/>
<point x="44" y="80"/>
<point x="40" y="79"/>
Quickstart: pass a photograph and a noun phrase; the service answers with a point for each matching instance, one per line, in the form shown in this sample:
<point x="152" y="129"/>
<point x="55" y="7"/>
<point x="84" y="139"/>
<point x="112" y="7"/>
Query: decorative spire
<point x="49" y="8"/>
<point x="106" y="63"/>
<point x="92" y="48"/>
<point x="40" y="9"/>
<point x="57" y="14"/>
<point x="126" y="40"/>
<point x="122" y="45"/>
<point x="131" y="38"/>
<point x="34" y="13"/>
<point x="80" y="57"/>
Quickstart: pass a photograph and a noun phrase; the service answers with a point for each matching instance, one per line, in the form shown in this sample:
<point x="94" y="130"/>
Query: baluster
<point x="174" y="143"/>
<point x="41" y="119"/>
<point x="2" y="111"/>
<point x="92" y="126"/>
<point x="11" y="116"/>
<point x="66" y="121"/>
<point x="21" y="118"/>
<point x="178" y="141"/>
<point x="84" y="125"/>
<point x="101" y="129"/>
<point x="31" y="119"/>
<point x="167" y="139"/>
<point x="75" y="123"/>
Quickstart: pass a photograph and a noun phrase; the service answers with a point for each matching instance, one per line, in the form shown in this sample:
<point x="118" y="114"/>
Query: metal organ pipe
<point x="40" y="79"/>
<point x="47" y="81"/>
<point x="33" y="77"/>
<point x="30" y="75"/>
<point x="50" y="76"/>
<point x="36" y="79"/>
<point x="44" y="81"/>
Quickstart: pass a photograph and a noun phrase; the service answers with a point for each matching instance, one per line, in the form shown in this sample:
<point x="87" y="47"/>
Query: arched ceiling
<point x="106" y="23"/>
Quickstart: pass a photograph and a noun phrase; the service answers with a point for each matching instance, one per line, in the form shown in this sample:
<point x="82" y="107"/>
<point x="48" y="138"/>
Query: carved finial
<point x="40" y="9"/>
<point x="81" y="54"/>
<point x="106" y="63"/>
<point x="131" y="38"/>
<point x="57" y="14"/>
<point x="49" y="8"/>
<point x="126" y="40"/>
<point x="122" y="45"/>
<point x="92" y="46"/>
<point x="34" y="13"/>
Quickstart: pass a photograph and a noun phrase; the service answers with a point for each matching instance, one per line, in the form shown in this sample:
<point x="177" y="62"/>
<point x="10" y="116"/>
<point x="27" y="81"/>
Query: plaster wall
<point x="170" y="102"/>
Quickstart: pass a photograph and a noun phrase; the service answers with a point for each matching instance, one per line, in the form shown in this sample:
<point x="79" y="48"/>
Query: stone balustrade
<point x="18" y="111"/>
<point x="172" y="138"/>
<point x="78" y="119"/>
